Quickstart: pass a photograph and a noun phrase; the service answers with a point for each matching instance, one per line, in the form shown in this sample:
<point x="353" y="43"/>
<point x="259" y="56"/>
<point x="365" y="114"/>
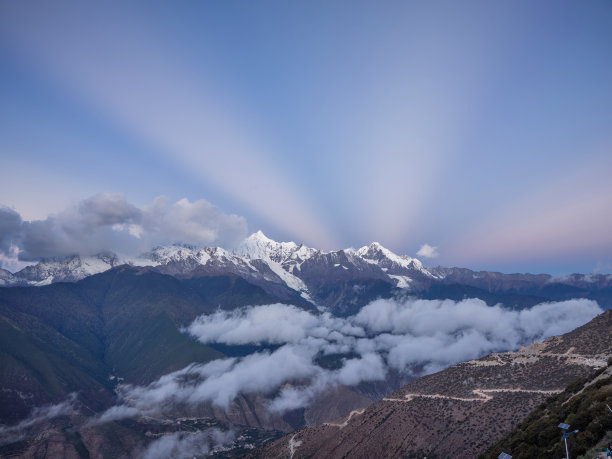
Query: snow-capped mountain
<point x="342" y="280"/>
<point x="286" y="269"/>
<point x="66" y="269"/>
<point x="387" y="260"/>
<point x="258" y="246"/>
<point x="185" y="261"/>
<point x="6" y="278"/>
<point x="291" y="270"/>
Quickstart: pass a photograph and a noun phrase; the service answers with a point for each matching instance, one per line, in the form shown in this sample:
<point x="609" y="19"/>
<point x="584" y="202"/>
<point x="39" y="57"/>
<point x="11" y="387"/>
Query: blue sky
<point x="482" y="128"/>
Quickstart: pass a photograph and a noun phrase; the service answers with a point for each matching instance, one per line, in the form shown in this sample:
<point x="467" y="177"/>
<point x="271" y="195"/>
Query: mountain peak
<point x="259" y="246"/>
<point x="259" y="236"/>
<point x="375" y="249"/>
<point x="377" y="253"/>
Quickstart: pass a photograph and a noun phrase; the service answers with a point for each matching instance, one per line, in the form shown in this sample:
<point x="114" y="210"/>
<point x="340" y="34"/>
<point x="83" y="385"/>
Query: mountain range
<point x="82" y="337"/>
<point x="341" y="281"/>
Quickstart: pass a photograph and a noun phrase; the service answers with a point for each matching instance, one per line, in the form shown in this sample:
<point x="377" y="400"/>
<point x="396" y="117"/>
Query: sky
<point x="477" y="134"/>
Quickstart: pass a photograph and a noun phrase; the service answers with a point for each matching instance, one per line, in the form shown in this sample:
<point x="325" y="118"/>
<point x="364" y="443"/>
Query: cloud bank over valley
<point x="409" y="336"/>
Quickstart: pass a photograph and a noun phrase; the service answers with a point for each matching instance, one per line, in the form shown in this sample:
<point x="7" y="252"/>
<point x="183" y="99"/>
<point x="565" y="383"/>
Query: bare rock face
<point x="462" y="410"/>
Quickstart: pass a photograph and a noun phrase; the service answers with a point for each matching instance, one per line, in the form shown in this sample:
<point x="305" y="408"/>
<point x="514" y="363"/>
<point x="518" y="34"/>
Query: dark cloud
<point x="108" y="209"/>
<point x="107" y="222"/>
<point x="10" y="228"/>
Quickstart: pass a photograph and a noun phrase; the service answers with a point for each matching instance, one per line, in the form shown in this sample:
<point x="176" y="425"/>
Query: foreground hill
<point x="584" y="405"/>
<point x="462" y="410"/>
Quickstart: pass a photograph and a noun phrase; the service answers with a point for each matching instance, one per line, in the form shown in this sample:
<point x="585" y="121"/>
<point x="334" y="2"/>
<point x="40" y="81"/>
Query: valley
<point x="242" y="348"/>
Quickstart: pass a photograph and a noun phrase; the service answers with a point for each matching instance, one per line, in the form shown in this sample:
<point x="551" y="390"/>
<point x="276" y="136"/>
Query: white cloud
<point x="218" y="382"/>
<point x="428" y="251"/>
<point x="273" y="324"/>
<point x="108" y="222"/>
<point x="198" y="222"/>
<point x="183" y="445"/>
<point x="384" y="335"/>
<point x="116" y="413"/>
<point x="370" y="367"/>
<point x="10" y="261"/>
<point x="257" y="373"/>
<point x="14" y="433"/>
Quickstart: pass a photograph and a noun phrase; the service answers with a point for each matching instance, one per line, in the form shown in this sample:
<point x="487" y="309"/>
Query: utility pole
<point x="566" y="434"/>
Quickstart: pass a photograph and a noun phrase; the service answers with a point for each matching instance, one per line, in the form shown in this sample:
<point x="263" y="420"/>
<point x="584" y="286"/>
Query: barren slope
<point x="462" y="410"/>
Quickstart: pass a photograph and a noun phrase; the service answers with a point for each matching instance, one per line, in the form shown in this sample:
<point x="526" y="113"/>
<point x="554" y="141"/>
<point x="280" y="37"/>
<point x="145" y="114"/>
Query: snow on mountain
<point x="263" y="261"/>
<point x="258" y="246"/>
<point x="169" y="254"/>
<point x="68" y="269"/>
<point x="341" y="281"/>
<point x="6" y="277"/>
<point x="375" y="252"/>
<point x="391" y="263"/>
<point x="401" y="281"/>
<point x="183" y="258"/>
<point x="283" y="258"/>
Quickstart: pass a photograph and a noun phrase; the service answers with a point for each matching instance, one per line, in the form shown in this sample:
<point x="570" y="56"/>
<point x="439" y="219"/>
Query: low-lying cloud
<point x="183" y="445"/>
<point x="107" y="222"/>
<point x="271" y="324"/>
<point x="398" y="335"/>
<point x="11" y="434"/>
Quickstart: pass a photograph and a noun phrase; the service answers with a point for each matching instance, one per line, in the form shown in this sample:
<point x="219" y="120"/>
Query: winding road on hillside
<point x="343" y="424"/>
<point x="481" y="395"/>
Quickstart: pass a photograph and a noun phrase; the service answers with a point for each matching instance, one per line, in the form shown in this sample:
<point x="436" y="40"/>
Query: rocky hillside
<point x="462" y="410"/>
<point x="584" y="405"/>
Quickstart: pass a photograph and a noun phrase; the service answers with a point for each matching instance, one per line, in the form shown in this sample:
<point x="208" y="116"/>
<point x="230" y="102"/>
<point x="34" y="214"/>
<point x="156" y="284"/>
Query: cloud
<point x="428" y="251"/>
<point x="198" y="222"/>
<point x="273" y="324"/>
<point x="116" y="413"/>
<point x="108" y="222"/>
<point x="385" y="335"/>
<point x="10" y="228"/>
<point x="15" y="433"/>
<point x="221" y="381"/>
<point x="9" y="259"/>
<point x="181" y="445"/>
<point x="439" y="333"/>
<point x="107" y="209"/>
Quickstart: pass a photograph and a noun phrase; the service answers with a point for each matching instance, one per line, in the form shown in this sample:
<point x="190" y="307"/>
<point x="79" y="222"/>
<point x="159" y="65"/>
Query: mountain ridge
<point x="342" y="280"/>
<point x="128" y="323"/>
